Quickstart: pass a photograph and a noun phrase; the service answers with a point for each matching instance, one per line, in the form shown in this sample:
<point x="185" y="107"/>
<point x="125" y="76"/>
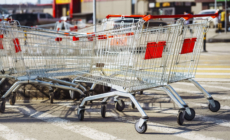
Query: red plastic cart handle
<point x="148" y="17"/>
<point x="126" y="16"/>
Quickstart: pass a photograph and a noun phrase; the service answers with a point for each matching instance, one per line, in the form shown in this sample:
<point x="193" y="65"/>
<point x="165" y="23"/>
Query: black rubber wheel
<point x="119" y="107"/>
<point x="91" y="101"/>
<point x="190" y="117"/>
<point x="133" y="105"/>
<point x="2" y="107"/>
<point x="216" y="108"/>
<point x="103" y="111"/>
<point x="12" y="100"/>
<point x="142" y="129"/>
<point x="51" y="98"/>
<point x="81" y="115"/>
<point x="180" y="118"/>
<point x="141" y="92"/>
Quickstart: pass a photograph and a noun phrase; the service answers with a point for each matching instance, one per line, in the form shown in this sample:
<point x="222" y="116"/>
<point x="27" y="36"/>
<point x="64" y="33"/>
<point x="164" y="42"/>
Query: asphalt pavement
<point x="38" y="119"/>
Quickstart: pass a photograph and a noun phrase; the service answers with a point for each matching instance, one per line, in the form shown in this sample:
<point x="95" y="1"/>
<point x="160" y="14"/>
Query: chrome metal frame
<point x="116" y="93"/>
<point x="16" y="85"/>
<point x="208" y="96"/>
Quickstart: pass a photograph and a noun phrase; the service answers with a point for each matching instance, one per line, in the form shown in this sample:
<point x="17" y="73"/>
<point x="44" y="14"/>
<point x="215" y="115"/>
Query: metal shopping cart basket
<point x="40" y="58"/>
<point x="117" y="65"/>
<point x="162" y="49"/>
<point x="37" y="58"/>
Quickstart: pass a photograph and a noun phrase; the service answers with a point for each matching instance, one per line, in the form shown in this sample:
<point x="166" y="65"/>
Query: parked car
<point x="214" y="21"/>
<point x="31" y="19"/>
<point x="45" y="18"/>
<point x="151" y="23"/>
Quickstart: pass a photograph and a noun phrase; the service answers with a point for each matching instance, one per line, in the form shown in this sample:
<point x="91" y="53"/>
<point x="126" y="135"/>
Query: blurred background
<point x="38" y="12"/>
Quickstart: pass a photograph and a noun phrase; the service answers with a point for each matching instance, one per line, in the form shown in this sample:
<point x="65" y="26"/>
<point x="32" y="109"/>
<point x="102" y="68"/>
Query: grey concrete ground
<point x="37" y="119"/>
<point x="219" y="37"/>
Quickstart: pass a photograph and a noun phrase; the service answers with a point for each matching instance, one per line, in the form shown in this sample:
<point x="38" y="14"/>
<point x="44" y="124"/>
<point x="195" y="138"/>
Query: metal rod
<point x="40" y="83"/>
<point x="94" y="15"/>
<point x="115" y="93"/>
<point x="176" y="94"/>
<point x="200" y="88"/>
<point x="225" y="17"/>
<point x="215" y="4"/>
<point x="63" y="82"/>
<point x="2" y="80"/>
<point x="170" y="94"/>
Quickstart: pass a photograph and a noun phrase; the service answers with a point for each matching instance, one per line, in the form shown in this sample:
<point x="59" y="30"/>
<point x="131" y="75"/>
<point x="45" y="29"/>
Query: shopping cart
<point x="184" y="63"/>
<point x="39" y="58"/>
<point x="35" y="61"/>
<point x="118" y="66"/>
<point x="5" y="64"/>
<point x="32" y="61"/>
<point x="158" y="46"/>
<point x="77" y="24"/>
<point x="52" y="26"/>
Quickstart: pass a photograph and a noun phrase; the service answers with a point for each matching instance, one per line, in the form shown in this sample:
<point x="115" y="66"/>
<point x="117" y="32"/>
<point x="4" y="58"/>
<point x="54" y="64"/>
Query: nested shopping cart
<point x="184" y="62"/>
<point x="113" y="62"/>
<point x="57" y="26"/>
<point x="63" y="25"/>
<point x="39" y="58"/>
<point x="153" y="67"/>
<point x="116" y="63"/>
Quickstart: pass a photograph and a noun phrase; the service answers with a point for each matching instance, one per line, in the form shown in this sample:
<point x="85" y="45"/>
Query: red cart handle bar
<point x="148" y="17"/>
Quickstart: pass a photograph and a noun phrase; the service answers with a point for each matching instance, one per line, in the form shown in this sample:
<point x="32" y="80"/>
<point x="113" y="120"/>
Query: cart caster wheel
<point x="216" y="108"/>
<point x="190" y="117"/>
<point x="133" y="105"/>
<point x="180" y="118"/>
<point x="81" y="115"/>
<point x="141" y="92"/>
<point x="12" y="100"/>
<point x="51" y="98"/>
<point x="119" y="107"/>
<point x="2" y="106"/>
<point x="103" y="111"/>
<point x="142" y="129"/>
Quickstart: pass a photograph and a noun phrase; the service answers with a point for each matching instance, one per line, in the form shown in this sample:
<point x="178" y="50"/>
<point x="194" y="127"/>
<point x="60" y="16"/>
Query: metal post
<point x="225" y="17"/>
<point x="215" y="8"/>
<point x="94" y="15"/>
<point x="215" y="4"/>
<point x="136" y="7"/>
<point x="204" y="43"/>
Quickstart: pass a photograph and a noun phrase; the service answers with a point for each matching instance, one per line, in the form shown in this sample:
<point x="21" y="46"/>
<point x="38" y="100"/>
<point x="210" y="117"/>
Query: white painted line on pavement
<point x="179" y="133"/>
<point x="65" y="124"/>
<point x="212" y="73"/>
<point x="9" y="134"/>
<point x="203" y="85"/>
<point x="222" y="97"/>
<point x="213" y="68"/>
<point x="169" y="130"/>
<point x="212" y="80"/>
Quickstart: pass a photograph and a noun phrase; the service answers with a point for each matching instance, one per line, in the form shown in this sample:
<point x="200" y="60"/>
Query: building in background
<point x="170" y="7"/>
<point x="66" y="7"/>
<point x="105" y="7"/>
<point x="210" y="4"/>
<point x="27" y="8"/>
